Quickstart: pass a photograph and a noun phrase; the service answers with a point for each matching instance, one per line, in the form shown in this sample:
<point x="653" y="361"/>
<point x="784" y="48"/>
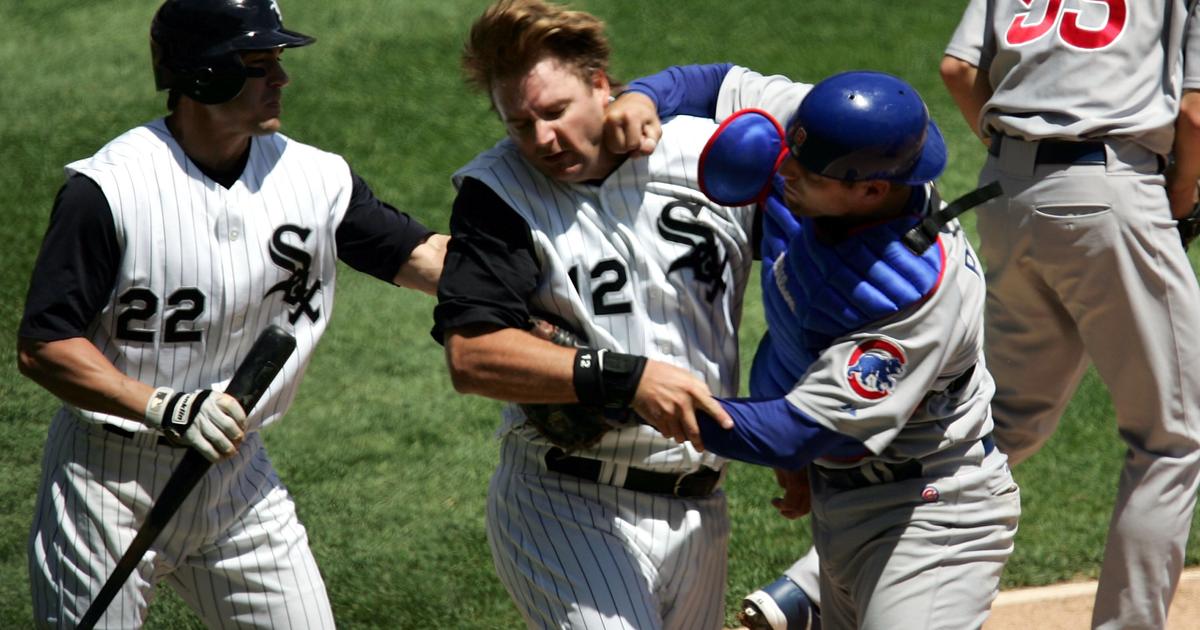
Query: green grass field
<point x="387" y="464"/>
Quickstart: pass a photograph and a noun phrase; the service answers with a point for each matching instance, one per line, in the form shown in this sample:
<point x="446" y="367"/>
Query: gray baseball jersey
<point x="914" y="389"/>
<point x="202" y="270"/>
<point x="1084" y="262"/>
<point x="641" y="263"/>
<point x="1082" y="69"/>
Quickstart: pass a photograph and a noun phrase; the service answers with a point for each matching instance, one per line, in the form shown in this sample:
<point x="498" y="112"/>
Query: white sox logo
<point x="275" y="8"/>
<point x="296" y="290"/>
<point x="706" y="259"/>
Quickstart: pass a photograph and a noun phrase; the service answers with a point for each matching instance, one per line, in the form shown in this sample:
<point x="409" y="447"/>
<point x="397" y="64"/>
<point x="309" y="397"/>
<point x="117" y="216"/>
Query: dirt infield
<point x="1069" y="606"/>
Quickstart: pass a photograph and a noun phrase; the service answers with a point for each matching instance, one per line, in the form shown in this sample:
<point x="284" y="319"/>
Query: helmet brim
<point x="932" y="161"/>
<point x="269" y="40"/>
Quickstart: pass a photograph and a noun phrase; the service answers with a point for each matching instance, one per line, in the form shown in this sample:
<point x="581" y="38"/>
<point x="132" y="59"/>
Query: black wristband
<point x="589" y="387"/>
<point x="620" y="374"/>
<point x="607" y="379"/>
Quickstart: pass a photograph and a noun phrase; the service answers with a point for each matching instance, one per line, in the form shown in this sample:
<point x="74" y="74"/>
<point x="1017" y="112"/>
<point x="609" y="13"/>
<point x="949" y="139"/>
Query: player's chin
<point x="564" y="173"/>
<point x="269" y="125"/>
<point x="564" y="165"/>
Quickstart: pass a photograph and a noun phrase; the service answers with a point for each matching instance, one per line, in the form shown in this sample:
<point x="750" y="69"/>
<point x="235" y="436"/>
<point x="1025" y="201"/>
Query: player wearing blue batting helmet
<point x="851" y="149"/>
<point x="873" y="300"/>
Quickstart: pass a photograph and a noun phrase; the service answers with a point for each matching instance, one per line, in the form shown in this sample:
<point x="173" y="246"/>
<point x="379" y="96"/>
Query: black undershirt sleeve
<point x="76" y="268"/>
<point x="374" y="237"/>
<point x="491" y="269"/>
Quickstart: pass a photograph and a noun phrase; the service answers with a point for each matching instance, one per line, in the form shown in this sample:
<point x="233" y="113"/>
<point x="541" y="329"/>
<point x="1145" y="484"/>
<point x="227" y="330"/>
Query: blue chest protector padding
<point x="815" y="292"/>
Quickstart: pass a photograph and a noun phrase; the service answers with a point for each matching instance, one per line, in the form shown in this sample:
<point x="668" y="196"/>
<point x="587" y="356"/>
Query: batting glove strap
<point x="179" y="411"/>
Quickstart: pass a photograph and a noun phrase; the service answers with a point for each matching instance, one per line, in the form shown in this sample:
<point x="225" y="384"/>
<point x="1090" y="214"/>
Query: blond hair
<point x="514" y="35"/>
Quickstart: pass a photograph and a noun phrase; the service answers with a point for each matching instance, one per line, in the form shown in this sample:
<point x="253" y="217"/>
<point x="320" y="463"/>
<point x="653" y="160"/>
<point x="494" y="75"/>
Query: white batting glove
<point x="210" y="422"/>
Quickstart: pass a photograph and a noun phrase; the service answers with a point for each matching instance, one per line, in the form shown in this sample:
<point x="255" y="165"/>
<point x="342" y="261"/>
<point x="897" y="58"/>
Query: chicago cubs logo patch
<point x="874" y="368"/>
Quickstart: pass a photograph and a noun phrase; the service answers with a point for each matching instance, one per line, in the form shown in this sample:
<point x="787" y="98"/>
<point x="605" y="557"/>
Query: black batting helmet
<point x="194" y="44"/>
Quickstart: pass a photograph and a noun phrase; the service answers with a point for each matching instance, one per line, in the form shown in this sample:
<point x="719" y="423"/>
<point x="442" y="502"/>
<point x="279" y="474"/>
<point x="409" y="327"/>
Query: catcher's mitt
<point x="1189" y="226"/>
<point x="569" y="426"/>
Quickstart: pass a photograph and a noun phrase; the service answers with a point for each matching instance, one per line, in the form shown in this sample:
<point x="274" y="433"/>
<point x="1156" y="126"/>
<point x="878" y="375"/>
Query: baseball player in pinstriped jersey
<point x="872" y="367"/>
<point x="630" y="532"/>
<point x="168" y="251"/>
<point x="1080" y="103"/>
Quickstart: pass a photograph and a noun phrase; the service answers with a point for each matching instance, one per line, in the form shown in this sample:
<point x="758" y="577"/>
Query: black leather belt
<point x="162" y="439"/>
<point x="700" y="483"/>
<point x="882" y="472"/>
<point x="1061" y="151"/>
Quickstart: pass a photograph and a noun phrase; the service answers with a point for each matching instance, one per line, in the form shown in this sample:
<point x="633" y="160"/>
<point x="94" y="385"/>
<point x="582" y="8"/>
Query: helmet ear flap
<point x="211" y="84"/>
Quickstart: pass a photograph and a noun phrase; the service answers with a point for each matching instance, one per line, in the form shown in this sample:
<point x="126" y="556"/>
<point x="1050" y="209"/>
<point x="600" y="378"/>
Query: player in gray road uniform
<point x="872" y="367"/>
<point x="1078" y="105"/>
<point x="632" y="531"/>
<point x="168" y="251"/>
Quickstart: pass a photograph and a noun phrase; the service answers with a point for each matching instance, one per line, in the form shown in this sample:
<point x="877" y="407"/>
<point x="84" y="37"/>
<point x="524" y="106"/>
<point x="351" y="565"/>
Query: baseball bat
<point x="266" y="358"/>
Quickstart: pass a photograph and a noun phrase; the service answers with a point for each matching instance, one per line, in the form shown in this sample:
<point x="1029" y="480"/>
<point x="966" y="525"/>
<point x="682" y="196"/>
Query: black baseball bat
<point x="267" y="356"/>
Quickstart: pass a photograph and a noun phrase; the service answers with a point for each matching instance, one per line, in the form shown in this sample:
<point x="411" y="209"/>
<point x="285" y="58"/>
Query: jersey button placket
<point x="618" y="216"/>
<point x="232" y="257"/>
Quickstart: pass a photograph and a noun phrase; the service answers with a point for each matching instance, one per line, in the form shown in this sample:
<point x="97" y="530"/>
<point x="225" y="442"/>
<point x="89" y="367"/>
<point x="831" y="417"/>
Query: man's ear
<point x="875" y="190"/>
<point x="600" y="81"/>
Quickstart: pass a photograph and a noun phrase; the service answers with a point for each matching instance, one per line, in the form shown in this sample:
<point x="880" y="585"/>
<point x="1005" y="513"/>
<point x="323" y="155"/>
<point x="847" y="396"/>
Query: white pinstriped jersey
<point x="642" y="263"/>
<point x="204" y="268"/>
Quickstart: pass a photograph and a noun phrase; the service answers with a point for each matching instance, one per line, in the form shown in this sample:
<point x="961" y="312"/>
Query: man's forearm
<point x="684" y="90"/>
<point x="510" y="364"/>
<point x="424" y="266"/>
<point x="969" y="89"/>
<point x="774" y="433"/>
<point x="75" y="371"/>
<point x="1182" y="179"/>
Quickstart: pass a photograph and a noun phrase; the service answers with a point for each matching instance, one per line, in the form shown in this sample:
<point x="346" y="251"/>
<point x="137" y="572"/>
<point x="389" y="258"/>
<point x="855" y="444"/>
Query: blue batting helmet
<point x="861" y="125"/>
